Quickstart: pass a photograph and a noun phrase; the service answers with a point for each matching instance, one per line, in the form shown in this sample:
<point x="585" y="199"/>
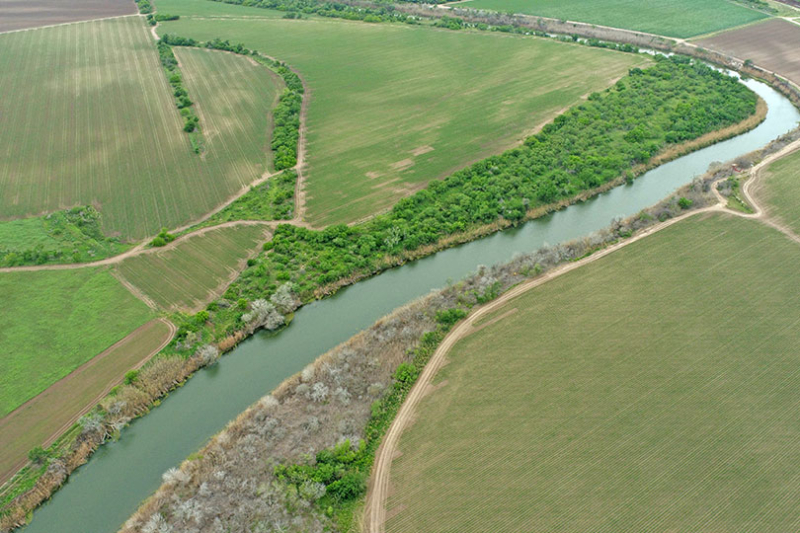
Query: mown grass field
<point x="190" y="273"/>
<point x="426" y="102"/>
<point x="653" y="390"/>
<point x="54" y="321"/>
<point x="780" y="190"/>
<point x="676" y="18"/>
<point x="33" y="423"/>
<point x="90" y="119"/>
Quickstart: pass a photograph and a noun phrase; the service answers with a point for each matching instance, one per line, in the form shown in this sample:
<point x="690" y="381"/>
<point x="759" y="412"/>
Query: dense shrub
<point x="613" y="135"/>
<point x="163" y="238"/>
<point x="73" y="236"/>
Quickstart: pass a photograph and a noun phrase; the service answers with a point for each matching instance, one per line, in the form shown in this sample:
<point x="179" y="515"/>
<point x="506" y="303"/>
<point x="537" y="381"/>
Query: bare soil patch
<point x="23" y="14"/>
<point x="772" y="45"/>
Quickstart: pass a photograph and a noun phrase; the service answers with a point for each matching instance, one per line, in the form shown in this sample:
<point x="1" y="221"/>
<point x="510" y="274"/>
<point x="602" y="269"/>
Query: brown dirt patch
<point x="40" y="420"/>
<point x="773" y="44"/>
<point x="421" y="150"/>
<point x="23" y="14"/>
<point x="404" y="164"/>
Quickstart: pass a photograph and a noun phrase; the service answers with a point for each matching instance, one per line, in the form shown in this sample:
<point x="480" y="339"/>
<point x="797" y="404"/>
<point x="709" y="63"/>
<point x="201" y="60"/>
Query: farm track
<point x="142" y="248"/>
<point x="375" y="513"/>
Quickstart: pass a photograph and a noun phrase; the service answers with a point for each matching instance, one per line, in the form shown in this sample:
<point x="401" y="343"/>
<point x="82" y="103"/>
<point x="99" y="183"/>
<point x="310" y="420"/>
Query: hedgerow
<point x="286" y="115"/>
<point x="371" y="13"/>
<point x="190" y="119"/>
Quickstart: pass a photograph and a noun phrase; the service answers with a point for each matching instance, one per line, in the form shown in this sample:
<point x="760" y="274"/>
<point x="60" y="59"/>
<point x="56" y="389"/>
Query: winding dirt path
<point x="375" y="512"/>
<point x="297" y="220"/>
<point x="140" y="249"/>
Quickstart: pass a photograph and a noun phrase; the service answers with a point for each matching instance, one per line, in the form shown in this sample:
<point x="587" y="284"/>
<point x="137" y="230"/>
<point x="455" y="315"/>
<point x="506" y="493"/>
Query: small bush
<point x="131" y="377"/>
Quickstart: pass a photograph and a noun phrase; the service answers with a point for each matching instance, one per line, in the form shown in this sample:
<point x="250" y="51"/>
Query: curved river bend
<point x="101" y="495"/>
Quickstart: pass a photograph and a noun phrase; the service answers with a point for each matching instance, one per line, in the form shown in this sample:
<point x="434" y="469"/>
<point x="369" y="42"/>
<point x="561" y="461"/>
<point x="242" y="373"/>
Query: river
<point x="102" y="494"/>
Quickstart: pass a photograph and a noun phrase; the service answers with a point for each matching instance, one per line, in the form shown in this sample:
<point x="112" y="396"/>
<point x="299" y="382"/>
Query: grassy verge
<point x="272" y="200"/>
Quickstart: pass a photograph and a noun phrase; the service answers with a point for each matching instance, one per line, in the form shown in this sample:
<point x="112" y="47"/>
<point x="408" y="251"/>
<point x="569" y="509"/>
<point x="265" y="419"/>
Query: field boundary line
<point x="6" y="476"/>
<point x="141" y="248"/>
<point x="73" y="22"/>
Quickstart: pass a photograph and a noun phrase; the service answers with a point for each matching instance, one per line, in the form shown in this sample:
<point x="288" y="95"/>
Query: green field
<point x="653" y="390"/>
<point x="208" y="8"/>
<point x="426" y="101"/>
<point x="90" y="119"/>
<point x="53" y="321"/>
<point x="676" y="18"/>
<point x="780" y="190"/>
<point x="234" y="98"/>
<point x="190" y="273"/>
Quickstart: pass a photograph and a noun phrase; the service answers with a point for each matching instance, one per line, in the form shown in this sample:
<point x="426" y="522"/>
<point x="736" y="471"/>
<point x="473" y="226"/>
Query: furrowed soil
<point x="676" y="18"/>
<point x="91" y="119"/>
<point x="773" y="44"/>
<point x="651" y="389"/>
<point x="21" y="14"/>
<point x="54" y="321"/>
<point x="191" y="273"/>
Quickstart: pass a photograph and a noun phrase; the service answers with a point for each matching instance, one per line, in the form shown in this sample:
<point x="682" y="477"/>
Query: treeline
<point x="286" y="115"/>
<point x="145" y="6"/>
<point x="74" y="236"/>
<point x="155" y="18"/>
<point x="191" y="122"/>
<point x="607" y="139"/>
<point x="612" y="135"/>
<point x="312" y="442"/>
<point x="372" y="13"/>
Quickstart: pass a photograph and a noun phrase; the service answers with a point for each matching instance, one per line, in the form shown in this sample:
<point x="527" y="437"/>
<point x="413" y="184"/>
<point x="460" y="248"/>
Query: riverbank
<point x="343" y="385"/>
<point x="489" y="230"/>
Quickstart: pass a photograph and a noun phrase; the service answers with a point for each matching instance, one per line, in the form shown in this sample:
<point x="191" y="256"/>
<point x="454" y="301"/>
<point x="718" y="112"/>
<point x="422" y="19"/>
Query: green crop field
<point x="53" y="321"/>
<point x="780" y="190"/>
<point x="234" y="98"/>
<point x="653" y="390"/>
<point x="90" y="119"/>
<point x="190" y="273"/>
<point x="207" y="8"/>
<point x="676" y="18"/>
<point x="426" y="101"/>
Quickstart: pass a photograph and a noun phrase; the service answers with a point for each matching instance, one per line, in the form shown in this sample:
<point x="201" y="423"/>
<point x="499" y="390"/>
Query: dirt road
<point x="375" y="510"/>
